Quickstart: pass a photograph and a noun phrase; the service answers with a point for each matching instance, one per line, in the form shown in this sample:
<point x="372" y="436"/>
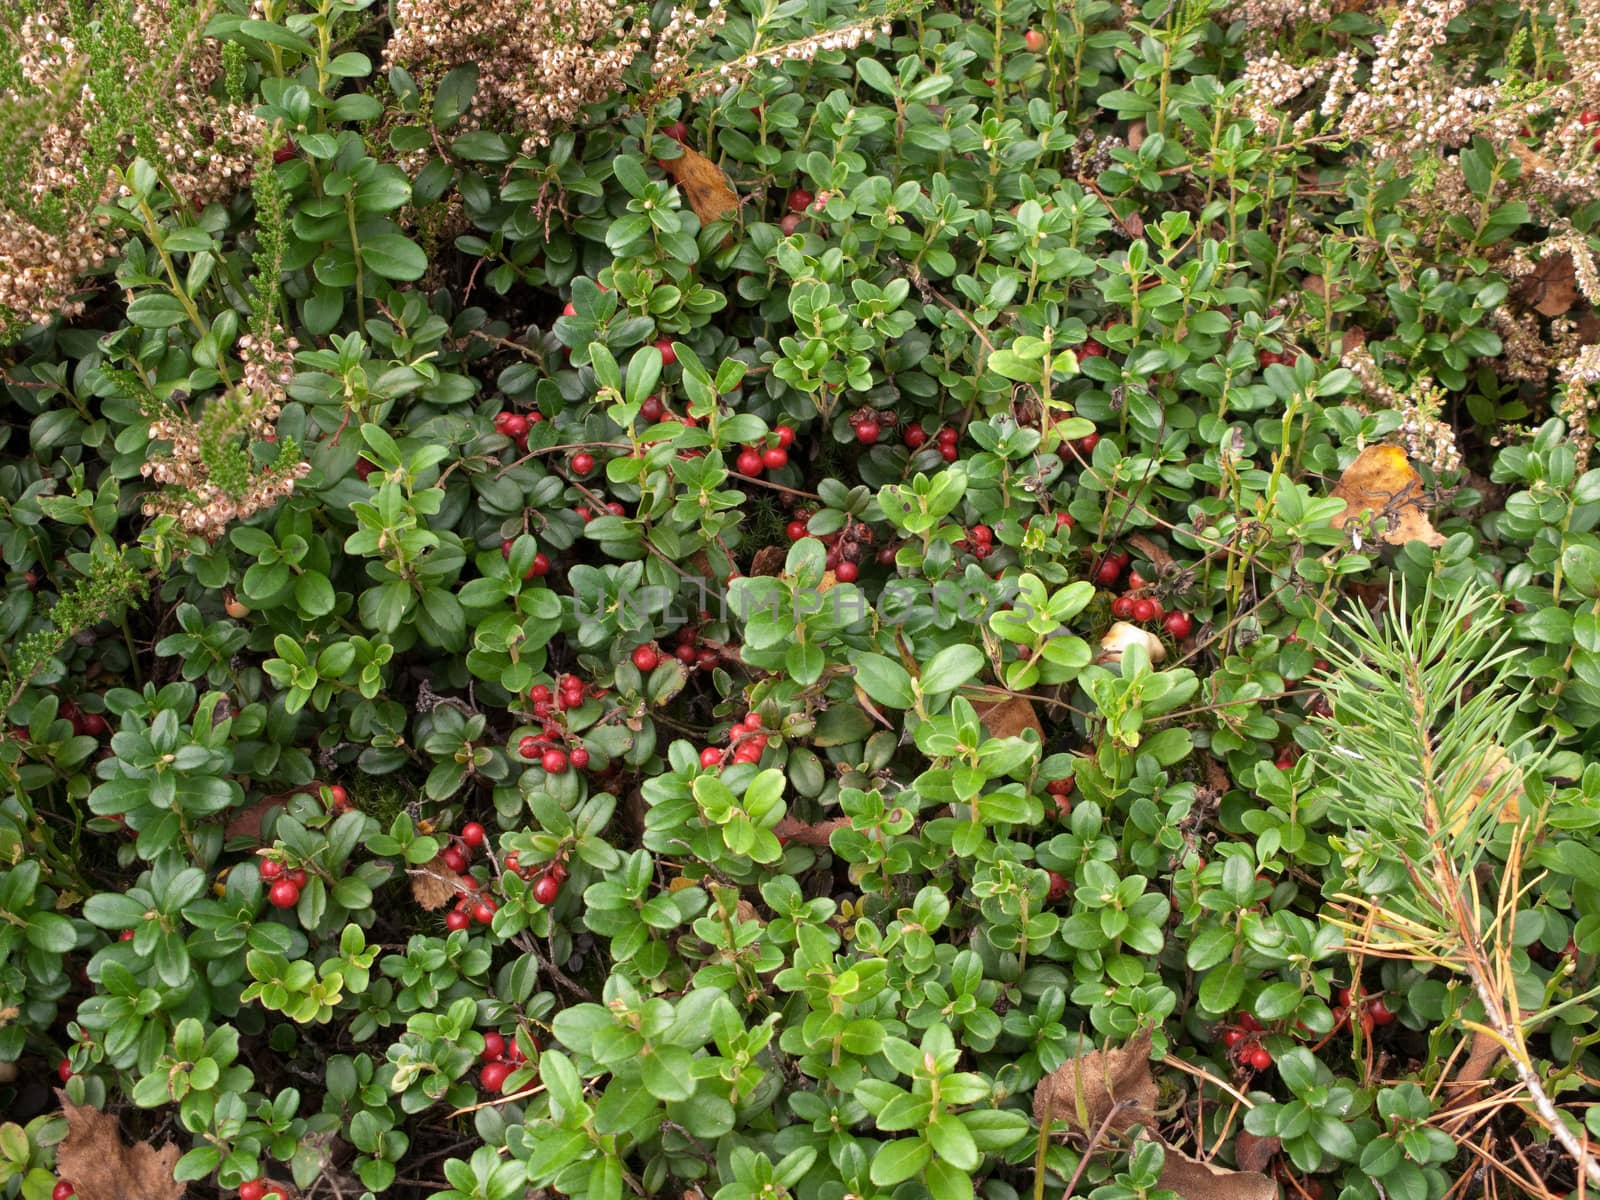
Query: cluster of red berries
<point x="1059" y="790"/>
<point x="586" y="514"/>
<point x="979" y="540"/>
<point x="501" y="1057"/>
<point x="538" y="567"/>
<point x="84" y="724"/>
<point x="470" y="905"/>
<point x="547" y="880"/>
<point x="255" y="1189"/>
<point x="1108" y="571"/>
<point x="688" y="651"/>
<point x="753" y="459"/>
<point x="1373" y="1010"/>
<point x="570" y="693"/>
<point x="286" y="882"/>
<point x="947" y="440"/>
<point x="514" y="425"/>
<point x="746" y="740"/>
<point x="1244" y="1044"/>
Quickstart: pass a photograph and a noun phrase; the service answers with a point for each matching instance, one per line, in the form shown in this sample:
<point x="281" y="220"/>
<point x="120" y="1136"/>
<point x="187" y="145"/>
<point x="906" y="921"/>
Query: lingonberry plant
<point x="747" y="600"/>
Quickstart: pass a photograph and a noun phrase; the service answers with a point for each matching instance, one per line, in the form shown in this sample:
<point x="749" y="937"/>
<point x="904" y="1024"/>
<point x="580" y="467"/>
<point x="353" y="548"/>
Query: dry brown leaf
<point x="433" y="885"/>
<point x="827" y="583"/>
<point x="1008" y="717"/>
<point x="1195" y="1180"/>
<point x="703" y="184"/>
<point x="791" y="829"/>
<point x="769" y="560"/>
<point x="1552" y="288"/>
<point x="1082" y="1092"/>
<point x="1499" y="784"/>
<point x="101" y="1167"/>
<point x="1351" y="337"/>
<point x="1253" y="1153"/>
<point x="1383" y="481"/>
<point x="1147" y="546"/>
<point x="746" y="911"/>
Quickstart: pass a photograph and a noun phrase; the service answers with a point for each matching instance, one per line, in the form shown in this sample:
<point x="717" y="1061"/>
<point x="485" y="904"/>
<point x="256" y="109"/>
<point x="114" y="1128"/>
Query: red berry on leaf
<point x="583" y="462"/>
<point x="254" y="1189"/>
<point x="868" y="432"/>
<point x="1590" y="117"/>
<point x="795" y="530"/>
<point x="546" y="889"/>
<point x="1064" y="520"/>
<point x="455" y="858"/>
<point x="483" y="911"/>
<point x="790" y="223"/>
<point x="677" y="131"/>
<point x="64" y="1069"/>
<point x="800" y="200"/>
<point x="710" y="756"/>
<point x="652" y="409"/>
<point x="1091" y="349"/>
<point x="1034" y="40"/>
<point x="1248" y="1021"/>
<point x="1179" y="624"/>
<point x="1145" y="609"/>
<point x="668" y="354"/>
<point x="846" y="572"/>
<point x="270" y="868"/>
<point x="125" y="936"/>
<point x="494" y="1046"/>
<point x="749" y="462"/>
<point x="1122" y="608"/>
<point x="1232" y="1037"/>
<point x="472" y="833"/>
<point x="62" y="1190"/>
<point x="539" y="566"/>
<point x="339" y="798"/>
<point x="297" y="877"/>
<point x="1258" y="1058"/>
<point x="915" y="436"/>
<point x="1378" y="1011"/>
<point x="1087" y="443"/>
<point x="571" y="310"/>
<point x="1107" y="572"/>
<point x="1058" y="887"/>
<point x="283" y="894"/>
<point x="686" y="653"/>
<point x="554" y="762"/>
<point x="579" y="757"/>
<point x="785" y="436"/>
<point x="646" y="657"/>
<point x="455" y="921"/>
<point x="494" y="1076"/>
<point x="774" y="457"/>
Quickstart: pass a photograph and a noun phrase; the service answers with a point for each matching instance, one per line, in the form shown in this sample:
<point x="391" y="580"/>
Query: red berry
<point x="579" y="757"/>
<point x="1058" y="887"/>
<point x="558" y="871"/>
<point x="749" y="462"/>
<point x="686" y="653"/>
<point x="545" y="889"/>
<point x="1034" y="40"/>
<point x="785" y="436"/>
<point x="710" y="756"/>
<point x="1091" y="349"/>
<point x="270" y="868"/>
<point x="538" y="692"/>
<point x="1145" y="609"/>
<point x="868" y="431"/>
<point x="1248" y="1021"/>
<point x="583" y="462"/>
<point x="1590" y="117"/>
<point x="652" y="409"/>
<point x="284" y="894"/>
<point x="570" y="310"/>
<point x="494" y="1076"/>
<point x="795" y="530"/>
<point x="515" y="425"/>
<point x="1232" y="1037"/>
<point x="364" y="469"/>
<point x="1378" y="1011"/>
<point x="554" y="762"/>
<point x="615" y="508"/>
<point x="790" y="223"/>
<point x="846" y="572"/>
<point x="1107" y="573"/>
<point x="483" y="911"/>
<point x="455" y="858"/>
<point x="706" y="656"/>
<point x="752" y="720"/>
<point x="455" y="921"/>
<point x="494" y="1046"/>
<point x="774" y="457"/>
<point x="646" y="657"/>
<point x="982" y="534"/>
<point x="539" y="566"/>
<point x="1087" y="443"/>
<point x="915" y="436"/>
<point x="1122" y="608"/>
<point x="799" y="200"/>
<point x="339" y="797"/>
<point x="280" y="156"/>
<point x="125" y="936"/>
<point x="472" y="833"/>
<point x="668" y="354"/>
<point x="297" y="877"/>
<point x="948" y="437"/>
<point x="949" y="453"/>
<point x="1179" y="624"/>
<point x="677" y="131"/>
<point x="255" y="1189"/>
<point x="583" y="514"/>
<point x="1064" y="520"/>
<point x="64" y="1069"/>
<point x="1259" y="1058"/>
<point x="63" y="1189"/>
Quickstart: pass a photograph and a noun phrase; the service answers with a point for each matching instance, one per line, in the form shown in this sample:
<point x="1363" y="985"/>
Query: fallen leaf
<point x="1008" y="717"/>
<point x="1383" y="481"/>
<point x="1121" y="635"/>
<point x="704" y="185"/>
<point x="1252" y="1153"/>
<point x="1084" y="1091"/>
<point x="1195" y="1180"/>
<point x="1551" y="289"/>
<point x="746" y="911"/>
<point x="102" y="1167"/>
<point x="791" y="829"/>
<point x="1499" y="785"/>
<point x="827" y="583"/>
<point x="1147" y="546"/>
<point x="769" y="560"/>
<point x="433" y="885"/>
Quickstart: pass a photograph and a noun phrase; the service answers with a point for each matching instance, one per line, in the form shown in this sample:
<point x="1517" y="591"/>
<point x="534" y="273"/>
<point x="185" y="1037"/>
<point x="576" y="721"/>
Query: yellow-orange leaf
<point x="1383" y="481"/>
